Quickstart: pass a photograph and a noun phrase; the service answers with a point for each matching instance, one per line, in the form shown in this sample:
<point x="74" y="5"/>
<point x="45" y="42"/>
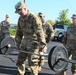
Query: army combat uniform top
<point x="31" y="28"/>
<point x="48" y="30"/>
<point x="70" y="37"/>
<point x="4" y="28"/>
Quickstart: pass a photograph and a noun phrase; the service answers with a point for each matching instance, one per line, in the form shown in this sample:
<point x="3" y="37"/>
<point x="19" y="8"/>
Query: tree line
<point x="62" y="19"/>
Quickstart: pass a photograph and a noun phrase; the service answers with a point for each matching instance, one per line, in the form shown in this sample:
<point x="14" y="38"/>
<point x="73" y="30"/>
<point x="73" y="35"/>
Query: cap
<point x="19" y="6"/>
<point x="7" y="16"/>
<point x="73" y="16"/>
<point x="41" y="14"/>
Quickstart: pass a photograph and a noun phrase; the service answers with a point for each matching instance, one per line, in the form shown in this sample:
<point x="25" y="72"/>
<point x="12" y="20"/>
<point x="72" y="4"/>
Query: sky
<point x="50" y="8"/>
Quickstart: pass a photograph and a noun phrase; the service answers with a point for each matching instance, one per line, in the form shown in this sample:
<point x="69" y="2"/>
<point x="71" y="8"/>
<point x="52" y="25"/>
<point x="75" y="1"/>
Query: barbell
<point x="57" y="57"/>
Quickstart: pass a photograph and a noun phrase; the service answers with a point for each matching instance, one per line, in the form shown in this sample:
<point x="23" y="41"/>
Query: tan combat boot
<point x="61" y="73"/>
<point x="74" y="73"/>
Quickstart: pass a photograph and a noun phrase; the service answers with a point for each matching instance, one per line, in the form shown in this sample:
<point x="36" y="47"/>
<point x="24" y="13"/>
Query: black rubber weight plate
<point x="55" y="53"/>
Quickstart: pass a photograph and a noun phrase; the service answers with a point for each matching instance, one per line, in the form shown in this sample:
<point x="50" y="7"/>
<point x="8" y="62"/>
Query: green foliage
<point x="62" y="19"/>
<point x="51" y="22"/>
<point x="12" y="31"/>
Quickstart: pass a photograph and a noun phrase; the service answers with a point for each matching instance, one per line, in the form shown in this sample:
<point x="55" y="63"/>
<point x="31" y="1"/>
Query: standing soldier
<point x="70" y="42"/>
<point x="4" y="27"/>
<point x="29" y="26"/>
<point x="47" y="28"/>
<point x="48" y="31"/>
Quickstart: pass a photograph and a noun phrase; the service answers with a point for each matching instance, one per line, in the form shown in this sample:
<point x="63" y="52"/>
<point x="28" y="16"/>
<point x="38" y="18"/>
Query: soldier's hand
<point x="41" y="53"/>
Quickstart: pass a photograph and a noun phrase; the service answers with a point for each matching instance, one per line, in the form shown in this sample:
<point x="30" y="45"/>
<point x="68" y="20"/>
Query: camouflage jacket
<point x="30" y="27"/>
<point x="4" y="27"/>
<point x="48" y="30"/>
<point x="70" y="37"/>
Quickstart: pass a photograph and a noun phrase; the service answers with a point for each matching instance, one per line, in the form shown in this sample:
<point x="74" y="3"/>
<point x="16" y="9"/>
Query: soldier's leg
<point x="73" y="68"/>
<point x="33" y="62"/>
<point x="20" y="63"/>
<point x="42" y="58"/>
<point x="41" y="62"/>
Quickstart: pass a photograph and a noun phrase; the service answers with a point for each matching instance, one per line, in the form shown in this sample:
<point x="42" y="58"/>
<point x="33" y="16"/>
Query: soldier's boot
<point x="74" y="72"/>
<point x="21" y="69"/>
<point x="39" y="69"/>
<point x="34" y="70"/>
<point x="61" y="73"/>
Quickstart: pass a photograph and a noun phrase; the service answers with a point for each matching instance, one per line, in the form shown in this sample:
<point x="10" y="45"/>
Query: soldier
<point x="69" y="42"/>
<point x="47" y="28"/>
<point x="4" y="27"/>
<point x="48" y="31"/>
<point x="29" y="26"/>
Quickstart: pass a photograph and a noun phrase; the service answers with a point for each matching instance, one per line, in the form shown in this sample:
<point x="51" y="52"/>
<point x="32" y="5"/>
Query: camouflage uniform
<point x="30" y="27"/>
<point x="4" y="29"/>
<point x="47" y="28"/>
<point x="70" y="40"/>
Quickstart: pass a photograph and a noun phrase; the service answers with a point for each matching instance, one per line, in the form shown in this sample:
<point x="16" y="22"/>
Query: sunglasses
<point x="42" y="16"/>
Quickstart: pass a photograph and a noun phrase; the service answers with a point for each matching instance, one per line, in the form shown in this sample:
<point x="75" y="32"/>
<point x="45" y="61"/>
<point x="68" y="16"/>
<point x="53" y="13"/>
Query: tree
<point x="62" y="19"/>
<point x="51" y="22"/>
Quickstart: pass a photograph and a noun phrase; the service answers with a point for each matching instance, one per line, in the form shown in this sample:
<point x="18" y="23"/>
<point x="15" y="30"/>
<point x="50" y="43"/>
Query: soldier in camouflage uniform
<point x="29" y="26"/>
<point x="47" y="28"/>
<point x="69" y="42"/>
<point x="48" y="31"/>
<point x="4" y="27"/>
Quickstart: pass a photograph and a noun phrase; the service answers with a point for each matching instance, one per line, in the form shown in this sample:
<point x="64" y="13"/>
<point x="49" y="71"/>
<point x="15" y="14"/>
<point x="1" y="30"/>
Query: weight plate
<point x="7" y="41"/>
<point x="55" y="54"/>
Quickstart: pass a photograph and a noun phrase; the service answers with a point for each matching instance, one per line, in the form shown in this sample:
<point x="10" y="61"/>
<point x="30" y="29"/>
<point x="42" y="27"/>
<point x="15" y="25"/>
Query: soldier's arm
<point x="40" y="34"/>
<point x="19" y="35"/>
<point x="50" y="32"/>
<point x="64" y="40"/>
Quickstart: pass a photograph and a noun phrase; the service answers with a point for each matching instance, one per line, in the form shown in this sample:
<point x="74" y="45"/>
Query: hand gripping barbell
<point x="57" y="57"/>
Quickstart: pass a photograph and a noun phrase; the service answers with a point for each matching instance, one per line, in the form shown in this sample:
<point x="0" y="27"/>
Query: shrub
<point x="12" y="31"/>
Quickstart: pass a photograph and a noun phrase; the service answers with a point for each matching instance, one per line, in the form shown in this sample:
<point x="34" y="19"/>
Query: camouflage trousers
<point x="34" y="62"/>
<point x="73" y="68"/>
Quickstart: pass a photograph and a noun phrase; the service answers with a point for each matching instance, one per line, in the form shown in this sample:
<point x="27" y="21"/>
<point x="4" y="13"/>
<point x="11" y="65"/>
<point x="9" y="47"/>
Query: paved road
<point x="8" y="67"/>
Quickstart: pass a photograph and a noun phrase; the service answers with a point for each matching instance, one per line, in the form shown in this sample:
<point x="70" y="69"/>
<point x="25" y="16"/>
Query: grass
<point x="12" y="31"/>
